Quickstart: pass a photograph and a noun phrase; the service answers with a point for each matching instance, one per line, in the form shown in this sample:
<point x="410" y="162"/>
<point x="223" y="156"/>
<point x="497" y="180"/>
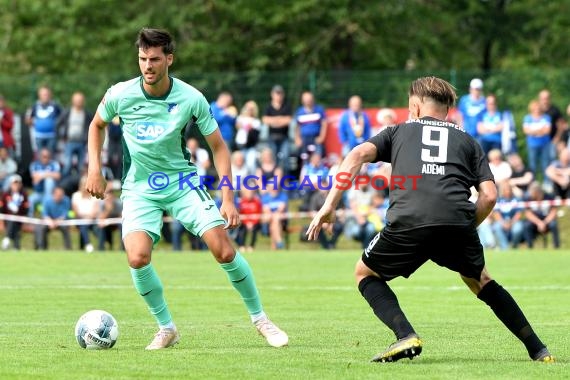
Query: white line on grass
<point x="539" y="288"/>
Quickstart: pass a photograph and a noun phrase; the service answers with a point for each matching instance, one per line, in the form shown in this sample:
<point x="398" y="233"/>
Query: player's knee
<point x="225" y="255"/>
<point x="138" y="260"/>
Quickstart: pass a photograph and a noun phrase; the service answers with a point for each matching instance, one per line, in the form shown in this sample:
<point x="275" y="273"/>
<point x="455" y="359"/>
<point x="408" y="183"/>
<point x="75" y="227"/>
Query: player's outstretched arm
<point x="223" y="167"/>
<point x="348" y="169"/>
<point x="486" y="200"/>
<point x="96" y="183"/>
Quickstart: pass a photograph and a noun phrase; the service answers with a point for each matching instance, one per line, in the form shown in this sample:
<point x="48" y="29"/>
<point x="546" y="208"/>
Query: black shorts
<point x="400" y="253"/>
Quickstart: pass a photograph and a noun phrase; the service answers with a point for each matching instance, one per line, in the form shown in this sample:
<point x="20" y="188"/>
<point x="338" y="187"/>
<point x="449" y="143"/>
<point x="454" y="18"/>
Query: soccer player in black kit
<point x="433" y="220"/>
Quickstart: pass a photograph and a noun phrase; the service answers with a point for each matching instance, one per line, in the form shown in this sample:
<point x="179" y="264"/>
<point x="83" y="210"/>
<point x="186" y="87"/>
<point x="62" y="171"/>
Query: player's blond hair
<point x="435" y="89"/>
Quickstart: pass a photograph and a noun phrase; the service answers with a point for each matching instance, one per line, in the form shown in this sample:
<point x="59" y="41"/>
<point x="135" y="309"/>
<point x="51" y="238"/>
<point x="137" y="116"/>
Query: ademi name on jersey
<point x="150" y="130"/>
<point x="433" y="169"/>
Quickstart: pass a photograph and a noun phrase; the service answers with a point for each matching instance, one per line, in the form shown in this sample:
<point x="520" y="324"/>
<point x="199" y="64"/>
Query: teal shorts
<point x="194" y="208"/>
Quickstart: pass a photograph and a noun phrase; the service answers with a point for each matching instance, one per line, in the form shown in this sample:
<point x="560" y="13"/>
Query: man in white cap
<point x="471" y="107"/>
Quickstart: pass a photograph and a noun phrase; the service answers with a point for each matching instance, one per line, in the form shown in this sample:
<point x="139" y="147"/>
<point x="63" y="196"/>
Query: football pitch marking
<point x="454" y="288"/>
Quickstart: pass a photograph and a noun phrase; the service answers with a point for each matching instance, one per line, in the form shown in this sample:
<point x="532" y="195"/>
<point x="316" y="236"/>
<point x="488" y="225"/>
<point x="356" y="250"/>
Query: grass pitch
<point x="311" y="295"/>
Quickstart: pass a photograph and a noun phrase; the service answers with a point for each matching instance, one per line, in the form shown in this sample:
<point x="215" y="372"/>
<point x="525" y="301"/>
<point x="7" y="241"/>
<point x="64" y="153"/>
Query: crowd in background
<point x="273" y="143"/>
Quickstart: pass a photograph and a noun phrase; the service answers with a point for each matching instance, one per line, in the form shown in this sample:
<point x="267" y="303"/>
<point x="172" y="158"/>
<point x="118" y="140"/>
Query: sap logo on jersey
<point x="150" y="130"/>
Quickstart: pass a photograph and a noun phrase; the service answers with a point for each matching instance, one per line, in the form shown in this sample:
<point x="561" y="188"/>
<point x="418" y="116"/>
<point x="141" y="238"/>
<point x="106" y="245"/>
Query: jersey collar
<point x="150" y="97"/>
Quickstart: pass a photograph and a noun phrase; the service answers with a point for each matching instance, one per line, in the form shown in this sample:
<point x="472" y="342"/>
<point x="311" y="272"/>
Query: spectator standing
<point x="43" y="119"/>
<point x="248" y="127"/>
<point x="45" y="174"/>
<point x="6" y="126"/>
<point x="556" y="120"/>
<point x="311" y="128"/>
<point x="559" y="173"/>
<point x="55" y="209"/>
<point x="491" y="126"/>
<point x="541" y="217"/>
<point x="225" y="114"/>
<point x="537" y="126"/>
<point x="278" y="117"/>
<point x="471" y="107"/>
<point x="8" y="167"/>
<point x="14" y="202"/>
<point x="73" y="127"/>
<point x="85" y="206"/>
<point x="354" y="125"/>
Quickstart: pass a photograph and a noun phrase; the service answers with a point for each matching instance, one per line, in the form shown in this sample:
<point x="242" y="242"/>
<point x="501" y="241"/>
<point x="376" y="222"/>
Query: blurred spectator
<point x="55" y="209"/>
<point x="45" y="174"/>
<point x="239" y="169"/>
<point x="110" y="207"/>
<point x="311" y="128"/>
<point x="199" y="156"/>
<point x="115" y="147"/>
<point x="313" y="173"/>
<point x="248" y="127"/>
<point x="275" y="203"/>
<point x="73" y="127"/>
<point x="269" y="174"/>
<point x="559" y="172"/>
<point x="521" y="176"/>
<point x="85" y="206"/>
<point x="471" y="107"/>
<point x="225" y="114"/>
<point x="14" y="202"/>
<point x="491" y="126"/>
<point x="331" y="231"/>
<point x="507" y="218"/>
<point x="7" y="167"/>
<point x="360" y="201"/>
<point x="384" y="117"/>
<point x="541" y="218"/>
<point x="6" y="126"/>
<point x="501" y="169"/>
<point x="537" y="126"/>
<point x="42" y="117"/>
<point x="250" y="209"/>
<point x="354" y="125"/>
<point x="556" y="120"/>
<point x="278" y="117"/>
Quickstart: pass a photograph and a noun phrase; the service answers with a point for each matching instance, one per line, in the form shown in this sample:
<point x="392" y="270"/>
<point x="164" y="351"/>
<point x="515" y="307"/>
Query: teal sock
<point x="241" y="276"/>
<point x="148" y="285"/>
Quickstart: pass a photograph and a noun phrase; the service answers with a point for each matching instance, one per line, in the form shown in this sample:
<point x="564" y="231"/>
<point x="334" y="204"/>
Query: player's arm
<point x="486" y="200"/>
<point x="222" y="163"/>
<point x="96" y="184"/>
<point x="349" y="168"/>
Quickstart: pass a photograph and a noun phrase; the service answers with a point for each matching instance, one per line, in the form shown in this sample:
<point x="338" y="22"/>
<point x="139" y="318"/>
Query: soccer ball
<point x="96" y="330"/>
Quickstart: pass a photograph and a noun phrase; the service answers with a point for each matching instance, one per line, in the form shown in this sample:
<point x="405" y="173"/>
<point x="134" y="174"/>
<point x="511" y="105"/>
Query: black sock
<point x="506" y="309"/>
<point x="385" y="305"/>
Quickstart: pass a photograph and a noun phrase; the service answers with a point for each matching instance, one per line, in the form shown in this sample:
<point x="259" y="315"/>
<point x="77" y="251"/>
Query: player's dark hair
<point x="149" y="37"/>
<point x="434" y="88"/>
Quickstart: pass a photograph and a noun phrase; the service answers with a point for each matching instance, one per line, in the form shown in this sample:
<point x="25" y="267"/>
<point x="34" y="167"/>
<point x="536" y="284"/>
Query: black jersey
<point x="440" y="163"/>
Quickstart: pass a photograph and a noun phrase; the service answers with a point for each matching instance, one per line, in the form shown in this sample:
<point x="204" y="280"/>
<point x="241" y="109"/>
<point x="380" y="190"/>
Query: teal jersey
<point x="153" y="129"/>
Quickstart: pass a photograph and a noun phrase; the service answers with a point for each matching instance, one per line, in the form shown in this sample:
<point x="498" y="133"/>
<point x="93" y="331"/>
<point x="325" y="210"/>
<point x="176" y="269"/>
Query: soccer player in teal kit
<point x="154" y="110"/>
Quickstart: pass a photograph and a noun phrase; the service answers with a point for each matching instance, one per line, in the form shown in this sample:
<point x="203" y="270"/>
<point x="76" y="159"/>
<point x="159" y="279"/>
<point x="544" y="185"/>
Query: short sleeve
<point x="482" y="168"/>
<point x="203" y="117"/>
<point x="383" y="143"/>
<point x="107" y="108"/>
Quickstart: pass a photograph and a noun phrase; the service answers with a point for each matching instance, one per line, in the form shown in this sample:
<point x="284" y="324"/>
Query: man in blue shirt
<point x="43" y="118"/>
<point x="311" y="128"/>
<point x="225" y="114"/>
<point x="55" y="210"/>
<point x="354" y="125"/>
<point x="45" y="174"/>
<point x="471" y="107"/>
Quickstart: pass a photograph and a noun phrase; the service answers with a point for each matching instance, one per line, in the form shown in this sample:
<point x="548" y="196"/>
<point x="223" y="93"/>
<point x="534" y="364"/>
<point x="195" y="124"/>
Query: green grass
<point x="311" y="295"/>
